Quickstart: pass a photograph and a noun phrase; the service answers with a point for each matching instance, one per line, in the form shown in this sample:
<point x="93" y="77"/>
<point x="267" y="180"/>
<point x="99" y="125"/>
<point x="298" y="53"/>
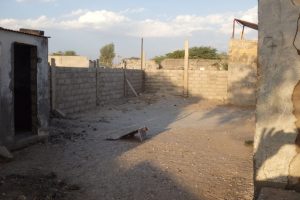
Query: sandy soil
<point x="195" y="150"/>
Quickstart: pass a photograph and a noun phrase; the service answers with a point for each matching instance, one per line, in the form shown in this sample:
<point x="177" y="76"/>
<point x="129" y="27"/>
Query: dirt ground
<point x="195" y="150"/>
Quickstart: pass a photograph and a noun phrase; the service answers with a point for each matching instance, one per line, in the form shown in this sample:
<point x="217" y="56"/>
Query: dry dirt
<point x="195" y="150"/>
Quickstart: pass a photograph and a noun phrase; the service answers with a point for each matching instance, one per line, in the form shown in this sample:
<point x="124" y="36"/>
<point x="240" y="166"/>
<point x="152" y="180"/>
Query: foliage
<point x="159" y="59"/>
<point x="194" y="53"/>
<point x="107" y="54"/>
<point x="66" y="53"/>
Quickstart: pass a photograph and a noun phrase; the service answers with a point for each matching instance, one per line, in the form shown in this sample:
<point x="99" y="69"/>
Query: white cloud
<point x="119" y="23"/>
<point x="132" y="10"/>
<point x="75" y="13"/>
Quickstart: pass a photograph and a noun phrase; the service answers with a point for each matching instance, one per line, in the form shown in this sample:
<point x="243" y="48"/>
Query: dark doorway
<point x="25" y="87"/>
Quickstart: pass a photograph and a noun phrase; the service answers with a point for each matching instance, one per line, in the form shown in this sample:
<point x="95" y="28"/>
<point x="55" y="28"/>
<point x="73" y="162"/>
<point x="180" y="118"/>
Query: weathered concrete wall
<point x="201" y="83"/>
<point x="242" y="72"/>
<point x="7" y="39"/>
<point x="277" y="140"/>
<point x="81" y="89"/>
<point x="73" y="61"/>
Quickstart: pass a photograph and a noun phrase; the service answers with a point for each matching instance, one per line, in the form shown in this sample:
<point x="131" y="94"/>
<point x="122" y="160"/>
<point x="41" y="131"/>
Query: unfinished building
<point x="24" y="87"/>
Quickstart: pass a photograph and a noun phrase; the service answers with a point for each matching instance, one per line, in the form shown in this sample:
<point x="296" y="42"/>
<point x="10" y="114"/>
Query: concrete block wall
<point x="136" y="78"/>
<point x="277" y="137"/>
<point x="75" y="89"/>
<point x="195" y="64"/>
<point x="208" y="84"/>
<point x="164" y="81"/>
<point x="204" y="84"/>
<point x="110" y="85"/>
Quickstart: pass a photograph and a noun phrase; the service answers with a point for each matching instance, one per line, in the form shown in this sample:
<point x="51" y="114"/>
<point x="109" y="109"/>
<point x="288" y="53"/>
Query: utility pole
<point x="186" y="69"/>
<point x="142" y="53"/>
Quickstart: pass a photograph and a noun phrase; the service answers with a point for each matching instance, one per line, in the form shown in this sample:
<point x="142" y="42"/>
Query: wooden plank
<point x="131" y="87"/>
<point x="129" y="133"/>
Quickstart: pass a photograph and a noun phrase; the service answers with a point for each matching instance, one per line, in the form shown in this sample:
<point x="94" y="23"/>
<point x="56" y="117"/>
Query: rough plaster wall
<point x="276" y="155"/>
<point x="242" y="72"/>
<point x="6" y="101"/>
<point x="73" y="61"/>
<point x="6" y="87"/>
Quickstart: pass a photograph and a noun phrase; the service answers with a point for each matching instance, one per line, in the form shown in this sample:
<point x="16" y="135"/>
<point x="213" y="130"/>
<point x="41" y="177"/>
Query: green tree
<point x="194" y="53"/>
<point x="107" y="55"/>
<point x="70" y="53"/>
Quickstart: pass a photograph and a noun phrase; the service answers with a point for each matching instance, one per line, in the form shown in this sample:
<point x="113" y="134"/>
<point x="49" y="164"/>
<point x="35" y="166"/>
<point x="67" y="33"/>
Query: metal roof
<point x="248" y="24"/>
<point x="244" y="24"/>
<point x="21" y="32"/>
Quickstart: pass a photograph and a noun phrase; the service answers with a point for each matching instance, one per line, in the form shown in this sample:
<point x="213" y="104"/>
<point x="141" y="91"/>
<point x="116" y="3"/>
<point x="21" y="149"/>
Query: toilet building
<point x="24" y="85"/>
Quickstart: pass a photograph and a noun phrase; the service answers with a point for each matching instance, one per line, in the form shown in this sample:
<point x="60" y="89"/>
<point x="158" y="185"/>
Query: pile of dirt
<point x="36" y="187"/>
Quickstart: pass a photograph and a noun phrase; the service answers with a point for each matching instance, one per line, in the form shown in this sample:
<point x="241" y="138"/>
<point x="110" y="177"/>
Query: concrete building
<point x="277" y="137"/>
<point x="74" y="61"/>
<point x="24" y="85"/>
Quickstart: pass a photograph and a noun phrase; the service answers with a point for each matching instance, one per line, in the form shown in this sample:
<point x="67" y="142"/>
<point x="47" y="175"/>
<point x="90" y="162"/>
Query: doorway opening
<point x="25" y="89"/>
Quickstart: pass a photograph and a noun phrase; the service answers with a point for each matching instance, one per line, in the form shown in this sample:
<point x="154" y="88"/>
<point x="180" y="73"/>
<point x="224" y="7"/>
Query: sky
<point x="86" y="26"/>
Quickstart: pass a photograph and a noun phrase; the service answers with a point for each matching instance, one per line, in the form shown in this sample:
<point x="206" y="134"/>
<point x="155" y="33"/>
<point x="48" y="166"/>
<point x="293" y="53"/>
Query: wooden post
<point x="142" y="53"/>
<point x="144" y="60"/>
<point x="124" y="77"/>
<point x="186" y="69"/>
<point x="242" y="35"/>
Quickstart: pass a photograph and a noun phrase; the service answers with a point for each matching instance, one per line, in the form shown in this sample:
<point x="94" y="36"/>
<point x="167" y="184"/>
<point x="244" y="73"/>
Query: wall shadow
<point x="271" y="142"/>
<point x="88" y="158"/>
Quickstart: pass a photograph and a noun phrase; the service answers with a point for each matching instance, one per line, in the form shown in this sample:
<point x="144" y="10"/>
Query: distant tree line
<point x="201" y="52"/>
<point x="64" y="53"/>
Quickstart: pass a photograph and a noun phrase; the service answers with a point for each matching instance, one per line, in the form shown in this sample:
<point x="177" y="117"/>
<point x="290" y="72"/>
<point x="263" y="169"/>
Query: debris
<point x="141" y="132"/>
<point x="5" y="153"/>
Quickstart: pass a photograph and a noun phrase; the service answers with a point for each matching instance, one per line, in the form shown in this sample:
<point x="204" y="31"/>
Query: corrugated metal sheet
<point x="248" y="24"/>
